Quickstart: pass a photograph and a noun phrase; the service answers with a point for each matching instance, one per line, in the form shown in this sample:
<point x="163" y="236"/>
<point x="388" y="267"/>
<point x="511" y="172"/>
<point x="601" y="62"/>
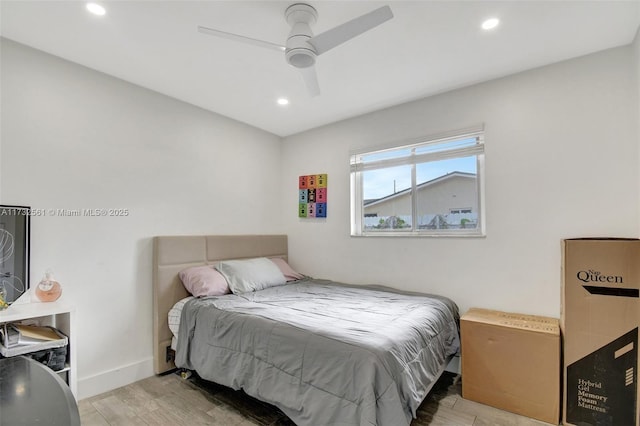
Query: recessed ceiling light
<point x="490" y="23"/>
<point x="96" y="9"/>
<point x="283" y="101"/>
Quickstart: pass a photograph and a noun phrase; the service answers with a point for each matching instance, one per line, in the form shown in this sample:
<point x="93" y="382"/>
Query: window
<point x="428" y="187"/>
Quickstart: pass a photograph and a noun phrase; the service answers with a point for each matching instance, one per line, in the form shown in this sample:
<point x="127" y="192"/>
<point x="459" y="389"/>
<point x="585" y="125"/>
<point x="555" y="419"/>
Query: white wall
<point x="636" y="73"/>
<point x="561" y="161"/>
<point x="73" y="138"/>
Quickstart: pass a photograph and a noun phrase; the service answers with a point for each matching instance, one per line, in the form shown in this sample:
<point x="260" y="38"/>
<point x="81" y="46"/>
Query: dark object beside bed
<point x="324" y="353"/>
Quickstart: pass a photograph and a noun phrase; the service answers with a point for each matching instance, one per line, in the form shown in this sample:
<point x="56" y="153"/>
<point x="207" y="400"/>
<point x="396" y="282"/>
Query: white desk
<point x="55" y="314"/>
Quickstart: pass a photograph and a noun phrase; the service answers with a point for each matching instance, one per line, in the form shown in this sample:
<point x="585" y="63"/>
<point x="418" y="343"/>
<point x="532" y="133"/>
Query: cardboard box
<point x="512" y="362"/>
<point x="599" y="321"/>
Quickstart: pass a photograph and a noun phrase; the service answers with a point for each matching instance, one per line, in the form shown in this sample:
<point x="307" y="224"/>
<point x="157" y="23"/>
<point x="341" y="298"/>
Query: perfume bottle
<point x="48" y="289"/>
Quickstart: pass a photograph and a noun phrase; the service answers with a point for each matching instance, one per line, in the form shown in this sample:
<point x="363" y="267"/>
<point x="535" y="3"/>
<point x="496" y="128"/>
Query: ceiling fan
<point x="302" y="46"/>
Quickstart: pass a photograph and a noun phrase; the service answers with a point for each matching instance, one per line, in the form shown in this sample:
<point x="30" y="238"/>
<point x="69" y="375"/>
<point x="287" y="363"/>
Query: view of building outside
<point x="437" y="182"/>
<point x="446" y="202"/>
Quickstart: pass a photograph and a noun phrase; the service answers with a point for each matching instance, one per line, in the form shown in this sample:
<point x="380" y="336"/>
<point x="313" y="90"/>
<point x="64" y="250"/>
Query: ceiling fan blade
<point x="311" y="80"/>
<point x="345" y="32"/>
<point x="243" y="39"/>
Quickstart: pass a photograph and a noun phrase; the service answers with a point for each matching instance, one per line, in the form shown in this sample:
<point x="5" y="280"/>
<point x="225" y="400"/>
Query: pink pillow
<point x="204" y="281"/>
<point x="287" y="271"/>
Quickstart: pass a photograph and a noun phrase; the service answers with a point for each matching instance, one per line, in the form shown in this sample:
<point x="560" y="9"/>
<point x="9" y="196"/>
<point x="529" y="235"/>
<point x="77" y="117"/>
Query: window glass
<point x="442" y="186"/>
<point x="387" y="198"/>
<point x="429" y="188"/>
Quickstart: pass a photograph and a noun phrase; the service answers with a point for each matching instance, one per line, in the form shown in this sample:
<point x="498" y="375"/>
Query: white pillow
<point x="250" y="274"/>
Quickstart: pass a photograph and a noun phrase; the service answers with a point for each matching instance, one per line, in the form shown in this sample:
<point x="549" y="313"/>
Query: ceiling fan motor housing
<point x="299" y="53"/>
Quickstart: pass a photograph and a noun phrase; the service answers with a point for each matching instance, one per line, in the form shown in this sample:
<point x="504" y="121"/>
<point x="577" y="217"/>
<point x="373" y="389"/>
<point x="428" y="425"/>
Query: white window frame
<point x="358" y="167"/>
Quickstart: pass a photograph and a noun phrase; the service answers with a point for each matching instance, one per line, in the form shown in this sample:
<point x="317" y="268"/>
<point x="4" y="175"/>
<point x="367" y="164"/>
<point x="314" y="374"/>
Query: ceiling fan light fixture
<point x="96" y="9"/>
<point x="301" y="57"/>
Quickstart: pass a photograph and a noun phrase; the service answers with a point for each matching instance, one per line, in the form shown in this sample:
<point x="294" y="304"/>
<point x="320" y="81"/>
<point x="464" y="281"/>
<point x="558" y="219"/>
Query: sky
<point x="380" y="183"/>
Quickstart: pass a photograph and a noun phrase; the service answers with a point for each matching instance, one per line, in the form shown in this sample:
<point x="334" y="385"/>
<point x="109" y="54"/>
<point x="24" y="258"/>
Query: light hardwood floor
<point x="170" y="400"/>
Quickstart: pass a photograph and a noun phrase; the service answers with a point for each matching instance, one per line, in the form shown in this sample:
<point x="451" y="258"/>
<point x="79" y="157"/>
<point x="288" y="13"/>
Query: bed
<point x="325" y="353"/>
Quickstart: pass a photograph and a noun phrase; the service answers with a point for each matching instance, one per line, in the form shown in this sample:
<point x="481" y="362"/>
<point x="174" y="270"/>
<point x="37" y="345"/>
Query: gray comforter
<point x="324" y="353"/>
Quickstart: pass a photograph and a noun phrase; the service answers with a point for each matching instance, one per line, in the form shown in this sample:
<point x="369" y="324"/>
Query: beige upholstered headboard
<point x="174" y="253"/>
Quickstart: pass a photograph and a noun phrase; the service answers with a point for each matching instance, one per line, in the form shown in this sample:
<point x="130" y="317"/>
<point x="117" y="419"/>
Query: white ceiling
<point x="429" y="47"/>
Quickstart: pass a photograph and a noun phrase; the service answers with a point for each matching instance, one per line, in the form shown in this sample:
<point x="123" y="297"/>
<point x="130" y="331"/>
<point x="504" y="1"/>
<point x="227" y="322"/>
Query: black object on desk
<point x="32" y="394"/>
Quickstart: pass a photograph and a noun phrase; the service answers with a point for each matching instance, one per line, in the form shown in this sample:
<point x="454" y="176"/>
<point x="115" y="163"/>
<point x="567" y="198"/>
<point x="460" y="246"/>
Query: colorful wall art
<point x="312" y="199"/>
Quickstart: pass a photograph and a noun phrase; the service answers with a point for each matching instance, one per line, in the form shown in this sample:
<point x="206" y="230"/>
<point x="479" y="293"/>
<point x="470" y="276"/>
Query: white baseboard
<point x="112" y="379"/>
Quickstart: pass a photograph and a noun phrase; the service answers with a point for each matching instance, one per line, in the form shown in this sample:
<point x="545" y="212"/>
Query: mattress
<point x="325" y="353"/>
<point x="175" y="313"/>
